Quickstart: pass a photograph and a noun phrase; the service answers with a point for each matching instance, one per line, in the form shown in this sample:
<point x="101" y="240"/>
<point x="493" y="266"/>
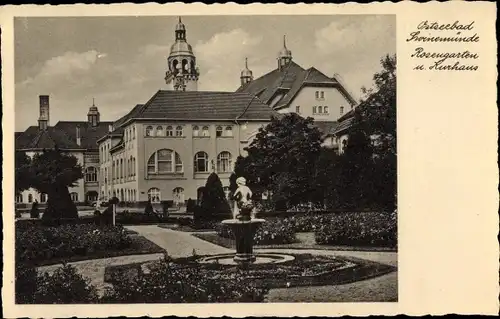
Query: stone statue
<point x="243" y="209"/>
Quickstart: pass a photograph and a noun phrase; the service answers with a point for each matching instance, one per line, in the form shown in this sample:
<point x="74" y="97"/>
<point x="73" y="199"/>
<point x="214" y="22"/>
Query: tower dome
<point x="284" y="56"/>
<point x="246" y="74"/>
<point x="182" y="71"/>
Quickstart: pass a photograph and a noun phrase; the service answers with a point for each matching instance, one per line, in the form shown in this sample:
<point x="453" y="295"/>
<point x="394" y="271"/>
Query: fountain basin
<point x="264" y="258"/>
<point x="244" y="231"/>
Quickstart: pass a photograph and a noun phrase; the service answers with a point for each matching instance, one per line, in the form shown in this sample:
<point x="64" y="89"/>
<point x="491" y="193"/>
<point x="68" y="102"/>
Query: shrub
<point x="25" y="283"/>
<point x="36" y="244"/>
<point x="367" y="228"/>
<point x="277" y="231"/>
<point x="170" y="282"/>
<point x="64" y="286"/>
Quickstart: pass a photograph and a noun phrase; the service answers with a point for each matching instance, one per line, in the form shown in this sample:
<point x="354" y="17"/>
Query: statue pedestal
<point x="244" y="231"/>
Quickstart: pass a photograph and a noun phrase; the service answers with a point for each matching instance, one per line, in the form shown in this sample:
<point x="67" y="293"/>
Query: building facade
<point x="164" y="149"/>
<point x="77" y="138"/>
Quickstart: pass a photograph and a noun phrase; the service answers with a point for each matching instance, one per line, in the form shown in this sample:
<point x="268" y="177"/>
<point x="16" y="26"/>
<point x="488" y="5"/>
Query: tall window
<point x="74" y="197"/>
<point x="325" y="109"/>
<point x="133" y="132"/>
<point x="43" y="198"/>
<point x="30" y="198"/>
<point x="201" y="162"/>
<point x="224" y="162"/>
<point x="154" y="195"/>
<point x="314" y="109"/>
<point x="341" y="110"/>
<point x="317" y="94"/>
<point x="149" y="131"/>
<point x="322" y="94"/>
<point x="170" y="131"/>
<point x="196" y="131"/>
<point x="159" y="131"/>
<point x="19" y="198"/>
<point x="205" y="131"/>
<point x="178" y="195"/>
<point x="165" y="161"/>
<point x="91" y="174"/>
<point x="297" y="109"/>
<point x="229" y="131"/>
<point x="178" y="131"/>
<point x="218" y="131"/>
<point x="320" y="109"/>
<point x="122" y="169"/>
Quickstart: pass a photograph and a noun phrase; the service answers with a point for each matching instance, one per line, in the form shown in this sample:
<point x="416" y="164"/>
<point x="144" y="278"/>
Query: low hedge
<point x="36" y="244"/>
<point x="358" y="229"/>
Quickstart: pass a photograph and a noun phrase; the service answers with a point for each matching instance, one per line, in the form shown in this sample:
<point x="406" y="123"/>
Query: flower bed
<point x="276" y="231"/>
<point x="41" y="245"/>
<point x="358" y="229"/>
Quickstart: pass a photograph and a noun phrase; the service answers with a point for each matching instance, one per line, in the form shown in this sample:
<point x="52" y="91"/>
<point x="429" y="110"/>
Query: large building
<point x="164" y="149"/>
<point x="78" y="138"/>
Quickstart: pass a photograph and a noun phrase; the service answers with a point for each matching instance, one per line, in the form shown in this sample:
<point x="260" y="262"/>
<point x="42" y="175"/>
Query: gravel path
<point x="181" y="244"/>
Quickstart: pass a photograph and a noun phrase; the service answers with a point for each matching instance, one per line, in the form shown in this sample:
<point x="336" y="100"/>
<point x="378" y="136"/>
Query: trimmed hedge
<point x="35" y="244"/>
<point x="358" y="229"/>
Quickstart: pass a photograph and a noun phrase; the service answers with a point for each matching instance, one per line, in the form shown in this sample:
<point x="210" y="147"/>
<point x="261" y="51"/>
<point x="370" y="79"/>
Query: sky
<point x="121" y="61"/>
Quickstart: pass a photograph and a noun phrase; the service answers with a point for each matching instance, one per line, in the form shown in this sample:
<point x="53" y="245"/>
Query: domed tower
<point x="93" y="116"/>
<point x="246" y="74"/>
<point x="182" y="74"/>
<point x="284" y="56"/>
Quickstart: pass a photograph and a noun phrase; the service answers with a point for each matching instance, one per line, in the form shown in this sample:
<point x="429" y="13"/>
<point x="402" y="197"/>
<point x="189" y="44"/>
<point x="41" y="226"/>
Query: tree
<point x="367" y="169"/>
<point x="52" y="172"/>
<point x="281" y="159"/>
<point x="214" y="203"/>
<point x="22" y="171"/>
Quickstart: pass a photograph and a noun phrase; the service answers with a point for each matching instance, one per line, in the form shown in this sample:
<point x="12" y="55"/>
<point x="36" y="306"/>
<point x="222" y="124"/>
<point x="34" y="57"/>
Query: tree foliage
<point x="281" y="159"/>
<point x="22" y="171"/>
<point x="52" y="172"/>
<point x="213" y="202"/>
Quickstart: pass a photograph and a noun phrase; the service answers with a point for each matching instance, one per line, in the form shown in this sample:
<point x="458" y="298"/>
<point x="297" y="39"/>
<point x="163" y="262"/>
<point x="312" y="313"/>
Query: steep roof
<point x="62" y="135"/>
<point x="203" y="105"/>
<point x="34" y="138"/>
<point x="279" y="87"/>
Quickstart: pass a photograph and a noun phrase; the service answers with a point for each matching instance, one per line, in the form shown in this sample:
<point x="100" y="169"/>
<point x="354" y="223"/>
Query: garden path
<point x="181" y="244"/>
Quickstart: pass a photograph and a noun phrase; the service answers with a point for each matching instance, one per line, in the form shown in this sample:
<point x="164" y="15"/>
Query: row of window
<point x="168" y="161"/>
<point x="129" y="134"/>
<point x="121" y="168"/>
<point x="320" y="110"/>
<point x="20" y="199"/>
<point x="154" y="194"/>
<point x="178" y="132"/>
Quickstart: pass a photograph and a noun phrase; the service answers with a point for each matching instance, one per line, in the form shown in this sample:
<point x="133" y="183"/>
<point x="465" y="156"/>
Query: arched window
<point x="19" y="198"/>
<point x="91" y="174"/>
<point x="149" y="131"/>
<point x="43" y="198"/>
<point x="154" y="195"/>
<point x="320" y="109"/>
<point x="325" y="109"/>
<point x="224" y="162"/>
<point x="218" y="131"/>
<point x="178" y="195"/>
<point x="159" y="131"/>
<point x="30" y="198"/>
<point x="196" y="131"/>
<point x="74" y="196"/>
<point x="341" y="110"/>
<point x="170" y="131"/>
<point x="205" y="131"/>
<point x="165" y="161"/>
<point x="227" y="191"/>
<point x="178" y="131"/>
<point x="201" y="162"/>
<point x="229" y="131"/>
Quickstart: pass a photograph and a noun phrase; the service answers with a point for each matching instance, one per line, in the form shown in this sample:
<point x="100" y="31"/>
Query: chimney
<point x="78" y="137"/>
<point x="110" y="128"/>
<point x="43" y="120"/>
